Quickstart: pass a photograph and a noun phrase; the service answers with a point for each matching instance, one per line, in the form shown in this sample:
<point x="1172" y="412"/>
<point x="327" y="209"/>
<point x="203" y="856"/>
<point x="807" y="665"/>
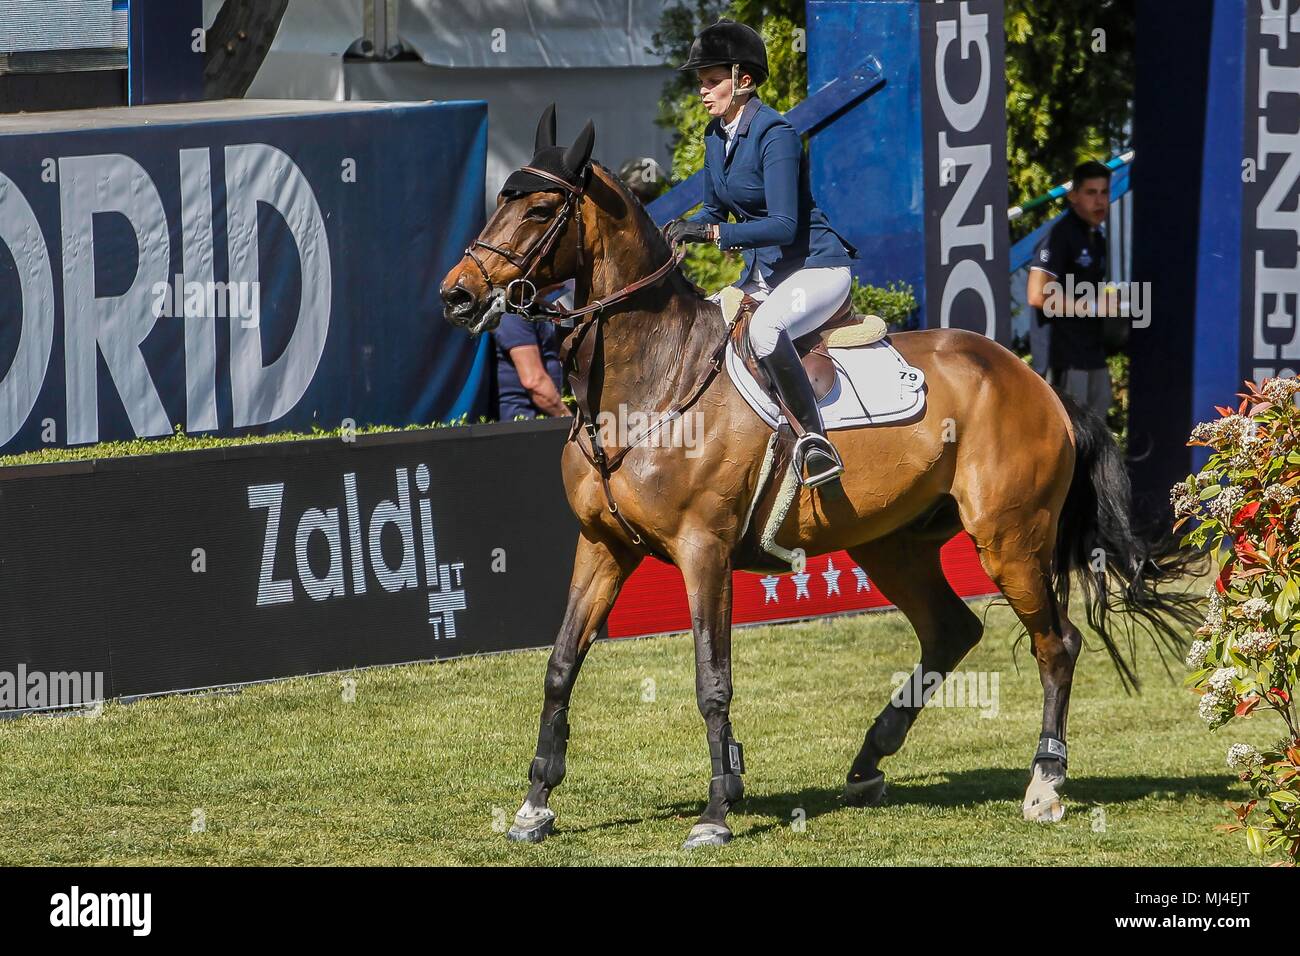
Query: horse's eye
<point x="539" y="212"/>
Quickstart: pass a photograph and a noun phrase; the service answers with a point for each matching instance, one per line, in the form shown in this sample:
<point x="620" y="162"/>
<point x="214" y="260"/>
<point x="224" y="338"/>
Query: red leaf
<point x="1247" y="705"/>
<point x="1225" y="576"/>
<point x="1245" y="513"/>
<point x="1245" y="549"/>
<point x="1280" y="694"/>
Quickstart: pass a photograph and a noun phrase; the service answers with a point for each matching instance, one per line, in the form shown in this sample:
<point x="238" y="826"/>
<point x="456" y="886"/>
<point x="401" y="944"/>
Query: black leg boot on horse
<point x="814" y="452"/>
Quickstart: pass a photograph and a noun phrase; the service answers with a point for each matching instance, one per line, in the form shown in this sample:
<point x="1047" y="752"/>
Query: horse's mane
<point x="652" y="235"/>
<point x="669" y="358"/>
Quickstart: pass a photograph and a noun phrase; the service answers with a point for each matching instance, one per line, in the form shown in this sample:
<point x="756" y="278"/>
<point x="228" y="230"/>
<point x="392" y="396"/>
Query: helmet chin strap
<point x="735" y="78"/>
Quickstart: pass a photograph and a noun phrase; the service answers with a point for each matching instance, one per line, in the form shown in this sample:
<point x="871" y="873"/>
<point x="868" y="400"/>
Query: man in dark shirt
<point x="1067" y="277"/>
<point x="528" y="369"/>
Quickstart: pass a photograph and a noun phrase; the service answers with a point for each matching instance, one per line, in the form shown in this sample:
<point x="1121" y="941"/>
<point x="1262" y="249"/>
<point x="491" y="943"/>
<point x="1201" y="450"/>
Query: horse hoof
<point x="707" y="834"/>
<point x="532" y="824"/>
<point x="1044" y="811"/>
<point x="865" y="793"/>
<point x="1042" y="801"/>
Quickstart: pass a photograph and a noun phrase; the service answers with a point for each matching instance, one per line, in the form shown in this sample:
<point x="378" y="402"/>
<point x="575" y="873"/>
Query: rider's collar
<point x="746" y="116"/>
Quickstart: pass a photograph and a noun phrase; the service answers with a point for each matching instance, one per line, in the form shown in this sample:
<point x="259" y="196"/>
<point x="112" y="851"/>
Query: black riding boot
<point x="786" y="371"/>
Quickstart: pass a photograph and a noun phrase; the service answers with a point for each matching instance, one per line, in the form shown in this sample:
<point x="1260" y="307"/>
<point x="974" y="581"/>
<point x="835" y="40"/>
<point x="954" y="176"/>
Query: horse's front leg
<point x="599" y="570"/>
<point x="705" y="564"/>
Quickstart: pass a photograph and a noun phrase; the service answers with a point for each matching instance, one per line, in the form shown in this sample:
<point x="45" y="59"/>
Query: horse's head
<point x="533" y="239"/>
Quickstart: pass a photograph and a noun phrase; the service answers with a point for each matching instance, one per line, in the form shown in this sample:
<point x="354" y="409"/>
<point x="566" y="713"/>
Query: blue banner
<point x="235" y="267"/>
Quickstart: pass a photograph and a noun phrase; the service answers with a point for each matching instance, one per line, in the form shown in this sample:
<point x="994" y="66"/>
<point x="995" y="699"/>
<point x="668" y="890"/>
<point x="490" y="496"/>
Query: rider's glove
<point x="683" y="230"/>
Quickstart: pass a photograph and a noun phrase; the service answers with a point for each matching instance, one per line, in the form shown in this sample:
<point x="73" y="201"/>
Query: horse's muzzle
<point x="459" y="305"/>
<point x="463" y="308"/>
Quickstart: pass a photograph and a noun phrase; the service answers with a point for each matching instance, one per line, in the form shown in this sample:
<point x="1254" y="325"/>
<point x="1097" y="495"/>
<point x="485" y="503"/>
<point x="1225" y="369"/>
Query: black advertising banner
<point x="232" y="565"/>
<point x="965" y="147"/>
<point x="1270" y="224"/>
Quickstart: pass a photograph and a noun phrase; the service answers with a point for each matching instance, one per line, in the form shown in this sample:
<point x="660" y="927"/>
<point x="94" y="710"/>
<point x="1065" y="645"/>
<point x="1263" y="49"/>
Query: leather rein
<point x="579" y="348"/>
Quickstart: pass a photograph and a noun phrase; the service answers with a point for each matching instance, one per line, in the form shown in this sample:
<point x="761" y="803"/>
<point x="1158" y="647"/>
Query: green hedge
<point x="183" y="442"/>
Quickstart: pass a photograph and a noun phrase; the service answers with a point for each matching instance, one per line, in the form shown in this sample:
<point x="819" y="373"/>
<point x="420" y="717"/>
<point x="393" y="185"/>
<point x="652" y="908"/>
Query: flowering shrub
<point x="1245" y="504"/>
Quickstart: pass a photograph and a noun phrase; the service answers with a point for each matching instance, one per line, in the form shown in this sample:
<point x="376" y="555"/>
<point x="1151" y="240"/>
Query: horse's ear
<point x="545" y="129"/>
<point x="579" y="153"/>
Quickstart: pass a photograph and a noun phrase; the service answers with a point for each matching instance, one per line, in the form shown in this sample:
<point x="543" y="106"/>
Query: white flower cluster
<point x="1184" y="502"/>
<point x="1295" y="525"/>
<point x="1277" y="495"/>
<point x="1219" y="700"/>
<point x="1255" y="609"/>
<point x="1216" y="708"/>
<point x="1280" y="389"/>
<point x="1255" y="644"/>
<point x="1220" y="681"/>
<point x="1238" y="430"/>
<point x="1196" y="656"/>
<point x="1224" y="506"/>
<point x="1244" y="758"/>
<point x="1231" y="431"/>
<point x="1214" y="613"/>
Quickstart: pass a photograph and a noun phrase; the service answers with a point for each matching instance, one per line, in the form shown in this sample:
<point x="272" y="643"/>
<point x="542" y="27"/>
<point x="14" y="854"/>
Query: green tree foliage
<point x="1070" y="69"/>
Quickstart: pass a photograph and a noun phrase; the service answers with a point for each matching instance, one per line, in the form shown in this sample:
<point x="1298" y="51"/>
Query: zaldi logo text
<point x="353" y="537"/>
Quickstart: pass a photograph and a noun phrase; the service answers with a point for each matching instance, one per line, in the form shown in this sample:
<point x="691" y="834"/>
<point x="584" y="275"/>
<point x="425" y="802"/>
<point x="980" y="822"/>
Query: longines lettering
<point x="956" y="231"/>
<point x="1276" y="233"/>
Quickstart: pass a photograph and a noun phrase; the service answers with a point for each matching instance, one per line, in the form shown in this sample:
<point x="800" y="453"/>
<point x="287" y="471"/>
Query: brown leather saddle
<point x="811" y="347"/>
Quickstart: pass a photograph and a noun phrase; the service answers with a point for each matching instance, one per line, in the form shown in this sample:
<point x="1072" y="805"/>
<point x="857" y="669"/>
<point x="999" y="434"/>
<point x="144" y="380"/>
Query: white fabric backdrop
<point x="587" y="56"/>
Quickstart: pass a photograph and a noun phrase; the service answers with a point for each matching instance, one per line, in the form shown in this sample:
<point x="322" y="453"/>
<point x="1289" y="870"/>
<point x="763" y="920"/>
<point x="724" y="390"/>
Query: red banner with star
<point x="654" y="599"/>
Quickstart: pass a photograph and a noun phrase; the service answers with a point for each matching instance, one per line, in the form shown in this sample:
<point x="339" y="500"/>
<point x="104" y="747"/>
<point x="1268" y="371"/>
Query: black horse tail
<point x="1119" y="568"/>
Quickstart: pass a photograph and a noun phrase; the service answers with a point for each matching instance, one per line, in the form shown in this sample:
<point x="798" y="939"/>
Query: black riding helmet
<point x="727" y="42"/>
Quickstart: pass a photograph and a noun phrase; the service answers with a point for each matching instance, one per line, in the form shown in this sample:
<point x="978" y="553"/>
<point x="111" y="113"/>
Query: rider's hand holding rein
<point x="686" y="230"/>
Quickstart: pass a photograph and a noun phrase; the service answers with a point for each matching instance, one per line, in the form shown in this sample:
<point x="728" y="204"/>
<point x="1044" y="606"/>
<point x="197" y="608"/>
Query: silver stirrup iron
<point x="822" y="444"/>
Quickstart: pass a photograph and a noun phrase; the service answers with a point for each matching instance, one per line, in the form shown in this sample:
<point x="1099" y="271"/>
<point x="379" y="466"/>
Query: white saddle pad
<point x="873" y="385"/>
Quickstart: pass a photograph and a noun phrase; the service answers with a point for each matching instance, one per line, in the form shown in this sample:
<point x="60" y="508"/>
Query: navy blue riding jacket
<point x="764" y="184"/>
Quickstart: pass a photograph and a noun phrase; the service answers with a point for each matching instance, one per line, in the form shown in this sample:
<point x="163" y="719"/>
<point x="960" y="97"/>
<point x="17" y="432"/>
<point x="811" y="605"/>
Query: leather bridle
<point x="527" y="305"/>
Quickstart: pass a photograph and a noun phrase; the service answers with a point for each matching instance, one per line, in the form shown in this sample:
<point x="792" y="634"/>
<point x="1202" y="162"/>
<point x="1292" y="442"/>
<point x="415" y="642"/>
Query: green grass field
<point x="428" y="762"/>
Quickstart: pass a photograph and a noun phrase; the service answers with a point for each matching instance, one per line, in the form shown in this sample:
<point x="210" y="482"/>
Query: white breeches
<point x="799" y="304"/>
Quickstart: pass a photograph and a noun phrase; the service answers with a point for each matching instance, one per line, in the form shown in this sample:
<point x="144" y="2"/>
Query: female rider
<point x="795" y="263"/>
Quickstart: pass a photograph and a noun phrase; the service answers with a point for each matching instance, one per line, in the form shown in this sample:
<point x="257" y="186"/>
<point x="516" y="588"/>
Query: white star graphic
<point x="861" y="577"/>
<point x="832" y="577"/>
<point x="769" y="588"/>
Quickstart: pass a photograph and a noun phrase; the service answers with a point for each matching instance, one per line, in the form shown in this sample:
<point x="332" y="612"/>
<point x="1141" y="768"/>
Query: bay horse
<point x="1037" y="482"/>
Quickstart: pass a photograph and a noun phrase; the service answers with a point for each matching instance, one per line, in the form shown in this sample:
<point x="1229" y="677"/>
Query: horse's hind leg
<point x="1018" y="558"/>
<point x="907" y="568"/>
<point x="599" y="570"/>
